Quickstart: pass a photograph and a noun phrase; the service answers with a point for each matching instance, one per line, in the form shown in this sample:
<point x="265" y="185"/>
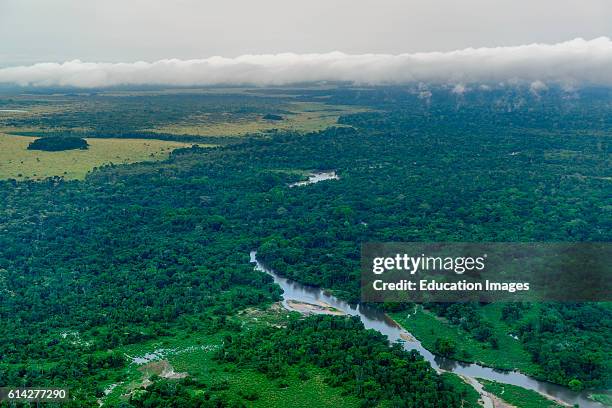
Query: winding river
<point x="379" y="321"/>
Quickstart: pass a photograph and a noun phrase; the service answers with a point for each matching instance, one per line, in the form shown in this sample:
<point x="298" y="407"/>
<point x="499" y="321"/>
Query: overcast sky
<point x="131" y="30"/>
<point x="99" y="43"/>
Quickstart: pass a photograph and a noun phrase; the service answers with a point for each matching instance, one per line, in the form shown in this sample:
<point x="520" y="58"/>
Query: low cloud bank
<point x="572" y="63"/>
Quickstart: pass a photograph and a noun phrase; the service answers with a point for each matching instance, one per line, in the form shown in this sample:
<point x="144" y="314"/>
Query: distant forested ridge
<point x="136" y="252"/>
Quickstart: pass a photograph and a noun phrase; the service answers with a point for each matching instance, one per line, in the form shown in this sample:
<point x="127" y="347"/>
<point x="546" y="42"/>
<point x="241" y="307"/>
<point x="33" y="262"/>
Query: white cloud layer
<point x="572" y="63"/>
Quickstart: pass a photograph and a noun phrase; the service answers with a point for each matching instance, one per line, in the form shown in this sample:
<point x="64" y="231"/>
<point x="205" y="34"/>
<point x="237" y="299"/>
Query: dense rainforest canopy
<point x="136" y="251"/>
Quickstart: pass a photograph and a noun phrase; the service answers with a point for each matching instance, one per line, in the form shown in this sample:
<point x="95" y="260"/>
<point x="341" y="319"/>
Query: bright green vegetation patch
<point x="298" y="388"/>
<point x="605" y="399"/>
<point x="518" y="396"/>
<point x="17" y="162"/>
<point x="428" y="328"/>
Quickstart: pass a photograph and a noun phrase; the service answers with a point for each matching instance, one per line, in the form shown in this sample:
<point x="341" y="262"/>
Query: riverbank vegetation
<point x="516" y="396"/>
<point x="434" y="332"/>
<point x="522" y="337"/>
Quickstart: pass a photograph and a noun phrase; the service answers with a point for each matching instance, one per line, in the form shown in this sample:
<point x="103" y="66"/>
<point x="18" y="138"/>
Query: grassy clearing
<point x="303" y="117"/>
<point x="518" y="396"/>
<point x="510" y="355"/>
<point x="19" y="163"/>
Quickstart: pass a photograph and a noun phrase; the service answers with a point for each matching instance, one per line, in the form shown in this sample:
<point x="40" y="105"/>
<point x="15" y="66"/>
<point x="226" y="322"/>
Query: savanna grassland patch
<point x="17" y="162"/>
